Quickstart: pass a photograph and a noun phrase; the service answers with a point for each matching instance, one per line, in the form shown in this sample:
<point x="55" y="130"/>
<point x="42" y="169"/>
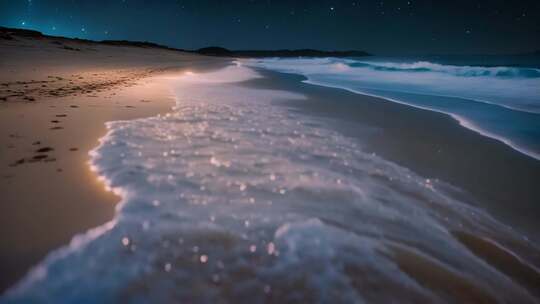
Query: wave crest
<point x="462" y="71"/>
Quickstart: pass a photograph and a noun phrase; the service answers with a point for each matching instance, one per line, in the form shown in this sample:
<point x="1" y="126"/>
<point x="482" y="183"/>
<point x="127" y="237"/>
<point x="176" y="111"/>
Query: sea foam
<point x="231" y="197"/>
<point x="499" y="102"/>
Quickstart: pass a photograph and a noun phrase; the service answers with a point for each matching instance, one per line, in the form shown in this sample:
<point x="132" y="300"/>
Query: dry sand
<point x="55" y="97"/>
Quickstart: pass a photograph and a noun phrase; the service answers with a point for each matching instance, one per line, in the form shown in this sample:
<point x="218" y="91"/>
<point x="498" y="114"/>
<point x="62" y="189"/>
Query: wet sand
<point x="502" y="259"/>
<point x="493" y="176"/>
<point x="54" y="103"/>
<point x="485" y="172"/>
<point x="52" y="114"/>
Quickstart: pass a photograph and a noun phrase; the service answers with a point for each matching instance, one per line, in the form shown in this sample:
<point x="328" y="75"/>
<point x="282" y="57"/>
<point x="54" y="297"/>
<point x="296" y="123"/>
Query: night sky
<point x="381" y="27"/>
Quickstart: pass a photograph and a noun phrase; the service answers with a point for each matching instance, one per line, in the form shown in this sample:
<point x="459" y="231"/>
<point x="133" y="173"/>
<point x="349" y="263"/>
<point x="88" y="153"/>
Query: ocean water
<point x="498" y="101"/>
<point x="233" y="197"/>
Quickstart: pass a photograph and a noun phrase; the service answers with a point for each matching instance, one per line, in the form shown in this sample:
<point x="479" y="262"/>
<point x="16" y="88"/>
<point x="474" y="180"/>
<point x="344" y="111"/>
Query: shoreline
<point x="484" y="243"/>
<point x="60" y="113"/>
<point x="461" y="120"/>
<point x="55" y="106"/>
<point x="63" y="180"/>
<point x="68" y="165"/>
<point x="490" y="174"/>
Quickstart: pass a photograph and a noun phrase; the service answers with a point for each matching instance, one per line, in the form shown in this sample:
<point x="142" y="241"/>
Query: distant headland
<point x="219" y="51"/>
<point x="12" y="33"/>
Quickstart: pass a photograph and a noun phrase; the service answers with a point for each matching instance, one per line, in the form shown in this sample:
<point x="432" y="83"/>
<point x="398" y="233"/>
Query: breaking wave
<point x="499" y="102"/>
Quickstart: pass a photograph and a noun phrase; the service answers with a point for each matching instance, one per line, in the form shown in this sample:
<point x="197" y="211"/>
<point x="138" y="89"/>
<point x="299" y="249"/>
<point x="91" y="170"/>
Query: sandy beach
<point x="56" y="96"/>
<point x="256" y="185"/>
<point x="269" y="152"/>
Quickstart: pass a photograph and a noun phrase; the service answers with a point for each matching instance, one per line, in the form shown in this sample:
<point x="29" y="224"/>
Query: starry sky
<point x="387" y="27"/>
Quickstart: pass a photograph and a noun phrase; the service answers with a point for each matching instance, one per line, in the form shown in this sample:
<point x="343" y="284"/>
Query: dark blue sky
<point x="382" y="27"/>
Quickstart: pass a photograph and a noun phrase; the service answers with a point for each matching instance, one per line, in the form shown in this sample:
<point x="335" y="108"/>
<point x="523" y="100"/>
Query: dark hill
<point x="14" y="33"/>
<point x="144" y="44"/>
<point x="219" y="51"/>
<point x="214" y="51"/>
<point x="8" y="33"/>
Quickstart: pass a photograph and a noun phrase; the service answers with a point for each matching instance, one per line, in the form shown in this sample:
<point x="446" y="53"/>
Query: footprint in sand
<point x="18" y="162"/>
<point x="39" y="157"/>
<point x="44" y="149"/>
